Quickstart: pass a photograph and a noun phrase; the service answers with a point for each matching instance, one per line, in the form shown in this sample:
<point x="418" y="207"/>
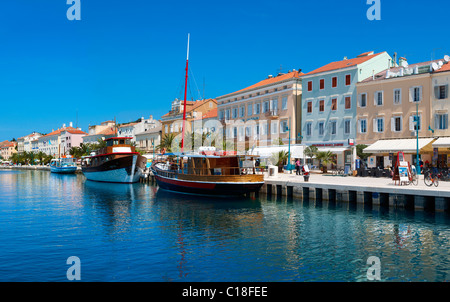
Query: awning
<point x="408" y="145"/>
<point x="442" y="142"/>
<point x="296" y="151"/>
<point x="335" y="150"/>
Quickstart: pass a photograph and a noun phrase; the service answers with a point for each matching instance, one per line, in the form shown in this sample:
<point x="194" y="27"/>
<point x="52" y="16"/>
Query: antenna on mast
<point x="185" y="92"/>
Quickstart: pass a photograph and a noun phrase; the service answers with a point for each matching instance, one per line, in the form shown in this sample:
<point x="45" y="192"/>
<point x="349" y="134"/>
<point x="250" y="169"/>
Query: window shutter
<point x="436" y="121"/>
<point x="411" y="123"/>
<point x="411" y="95"/>
<point x="375" y="126"/>
<point x="445" y="121"/>
<point x="446" y="91"/>
<point x="436" y="92"/>
<point x="375" y="99"/>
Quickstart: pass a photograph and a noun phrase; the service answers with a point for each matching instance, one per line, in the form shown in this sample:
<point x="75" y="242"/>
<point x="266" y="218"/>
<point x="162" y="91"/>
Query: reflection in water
<point x="124" y="232"/>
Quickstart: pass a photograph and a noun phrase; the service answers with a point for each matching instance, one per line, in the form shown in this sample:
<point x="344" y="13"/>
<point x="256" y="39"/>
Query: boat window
<point x="121" y="142"/>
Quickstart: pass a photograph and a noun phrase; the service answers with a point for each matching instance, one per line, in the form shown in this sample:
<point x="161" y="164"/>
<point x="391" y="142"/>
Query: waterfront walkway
<point x="370" y="190"/>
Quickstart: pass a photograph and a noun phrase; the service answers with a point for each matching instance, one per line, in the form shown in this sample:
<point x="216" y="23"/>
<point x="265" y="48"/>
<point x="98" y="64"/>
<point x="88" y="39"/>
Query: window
<point x="378" y="98"/>
<point x="347" y="124"/>
<point x="284" y="126"/>
<point x="396" y="124"/>
<point x="348" y="80"/>
<point x="321" y="128"/>
<point x="322" y="84"/>
<point x="415" y="122"/>
<point x="441" y="121"/>
<point x="309" y="108"/>
<point x="235" y="113"/>
<point x="248" y="131"/>
<point x="227" y="114"/>
<point x="363" y="100"/>
<point x="397" y="96"/>
<point x="266" y="106"/>
<point x="274" y="127"/>
<point x="333" y="127"/>
<point x="308" y="128"/>
<point x="234" y="132"/>
<point x="363" y="126"/>
<point x="378" y="124"/>
<point x="334" y="104"/>
<point x="274" y="105"/>
<point x="221" y="115"/>
<point x="284" y="103"/>
<point x="249" y="109"/>
<point x="310" y="86"/>
<point x="441" y="92"/>
<point x="321" y="105"/>
<point x="242" y="111"/>
<point x="334" y="82"/>
<point x="415" y="94"/>
<point x="257" y="108"/>
<point x="348" y="102"/>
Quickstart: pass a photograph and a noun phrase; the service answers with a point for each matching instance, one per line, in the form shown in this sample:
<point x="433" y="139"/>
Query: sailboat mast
<point x="185" y="92"/>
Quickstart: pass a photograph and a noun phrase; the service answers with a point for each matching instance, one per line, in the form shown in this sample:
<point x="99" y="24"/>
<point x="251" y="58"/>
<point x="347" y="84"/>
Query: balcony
<point x="272" y="114"/>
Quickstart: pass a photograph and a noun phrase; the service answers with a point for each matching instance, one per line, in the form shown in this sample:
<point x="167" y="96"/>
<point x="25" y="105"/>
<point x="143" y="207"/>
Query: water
<point x="137" y="233"/>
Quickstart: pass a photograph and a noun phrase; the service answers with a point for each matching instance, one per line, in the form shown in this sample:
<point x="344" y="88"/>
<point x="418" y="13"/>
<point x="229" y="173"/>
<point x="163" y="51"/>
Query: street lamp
<point x="416" y="121"/>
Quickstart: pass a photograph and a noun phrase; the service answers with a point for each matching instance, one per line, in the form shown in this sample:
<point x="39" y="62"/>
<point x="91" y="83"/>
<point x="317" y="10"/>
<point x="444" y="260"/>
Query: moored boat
<point x="208" y="174"/>
<point x="117" y="162"/>
<point x="63" y="165"/>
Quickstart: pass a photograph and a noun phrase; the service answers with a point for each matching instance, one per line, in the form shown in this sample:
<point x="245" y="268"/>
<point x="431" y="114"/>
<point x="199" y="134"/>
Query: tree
<point x="325" y="158"/>
<point x="360" y="153"/>
<point x="280" y="158"/>
<point x="311" y="151"/>
<point x="166" y="142"/>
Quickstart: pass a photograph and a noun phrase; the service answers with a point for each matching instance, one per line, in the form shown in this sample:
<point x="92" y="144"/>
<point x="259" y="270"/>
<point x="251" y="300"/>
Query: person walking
<point x="297" y="167"/>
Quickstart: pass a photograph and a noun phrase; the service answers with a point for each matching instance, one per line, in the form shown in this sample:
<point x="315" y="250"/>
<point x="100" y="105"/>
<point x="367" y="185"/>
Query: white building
<point x="131" y="129"/>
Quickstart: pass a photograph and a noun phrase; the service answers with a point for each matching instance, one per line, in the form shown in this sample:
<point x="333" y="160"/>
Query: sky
<point x="126" y="59"/>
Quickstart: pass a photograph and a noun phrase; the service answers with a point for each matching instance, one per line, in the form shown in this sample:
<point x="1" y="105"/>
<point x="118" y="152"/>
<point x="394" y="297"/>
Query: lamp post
<point x="416" y="122"/>
<point x="289" y="147"/>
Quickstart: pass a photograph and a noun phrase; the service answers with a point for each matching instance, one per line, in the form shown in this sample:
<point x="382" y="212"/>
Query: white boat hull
<point x="116" y="175"/>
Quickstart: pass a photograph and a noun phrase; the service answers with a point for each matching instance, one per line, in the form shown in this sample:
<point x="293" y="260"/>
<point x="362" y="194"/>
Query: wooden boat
<point x="117" y="162"/>
<point x="208" y="174"/>
<point x="63" y="165"/>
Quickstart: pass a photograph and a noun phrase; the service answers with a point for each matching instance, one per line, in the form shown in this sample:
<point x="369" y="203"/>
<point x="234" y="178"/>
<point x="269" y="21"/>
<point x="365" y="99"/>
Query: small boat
<point x="117" y="162"/>
<point x="224" y="175"/>
<point x="63" y="165"/>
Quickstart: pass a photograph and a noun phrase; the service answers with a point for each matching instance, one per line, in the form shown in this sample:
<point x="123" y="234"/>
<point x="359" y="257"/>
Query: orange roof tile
<point x="210" y="114"/>
<point x="344" y="63"/>
<point x="269" y="81"/>
<point x="68" y="129"/>
<point x="445" y="67"/>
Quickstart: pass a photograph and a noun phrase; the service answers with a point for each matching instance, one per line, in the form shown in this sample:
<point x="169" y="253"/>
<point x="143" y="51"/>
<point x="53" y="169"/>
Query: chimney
<point x="270" y="76"/>
<point x="401" y="60"/>
<point x="395" y="59"/>
<point x="345" y="58"/>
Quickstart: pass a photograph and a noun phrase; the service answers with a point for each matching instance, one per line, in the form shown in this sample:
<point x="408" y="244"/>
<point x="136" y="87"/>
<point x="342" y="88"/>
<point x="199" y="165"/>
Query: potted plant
<point x="325" y="158"/>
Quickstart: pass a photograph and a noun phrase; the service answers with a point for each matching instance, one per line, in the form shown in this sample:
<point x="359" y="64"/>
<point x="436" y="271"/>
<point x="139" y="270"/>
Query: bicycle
<point x="431" y="179"/>
<point x="338" y="171"/>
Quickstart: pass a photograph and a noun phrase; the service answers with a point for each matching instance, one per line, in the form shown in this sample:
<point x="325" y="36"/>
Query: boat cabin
<point x="218" y="165"/>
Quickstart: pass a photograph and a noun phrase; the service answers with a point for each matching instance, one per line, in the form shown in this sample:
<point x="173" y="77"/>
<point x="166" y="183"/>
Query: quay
<point x="366" y="190"/>
<point x="370" y="191"/>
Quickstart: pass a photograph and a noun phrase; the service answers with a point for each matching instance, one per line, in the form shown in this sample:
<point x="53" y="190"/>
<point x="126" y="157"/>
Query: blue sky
<point x="126" y="59"/>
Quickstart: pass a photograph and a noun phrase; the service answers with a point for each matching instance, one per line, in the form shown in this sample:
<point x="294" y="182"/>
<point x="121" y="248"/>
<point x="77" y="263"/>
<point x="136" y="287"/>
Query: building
<point x="263" y="113"/>
<point x="172" y="122"/>
<point x="329" y="104"/>
<point x="150" y="139"/>
<point x="403" y="109"/>
<point x="24" y="144"/>
<point x="99" y="132"/>
<point x="142" y="125"/>
<point x="7" y="149"/>
<point x="58" y="142"/>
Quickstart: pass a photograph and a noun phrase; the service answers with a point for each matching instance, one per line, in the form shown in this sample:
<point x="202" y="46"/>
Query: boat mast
<point x="185" y="92"/>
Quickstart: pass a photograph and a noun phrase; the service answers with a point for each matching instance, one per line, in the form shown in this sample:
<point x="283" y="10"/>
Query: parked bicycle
<point x="338" y="171"/>
<point x="431" y="178"/>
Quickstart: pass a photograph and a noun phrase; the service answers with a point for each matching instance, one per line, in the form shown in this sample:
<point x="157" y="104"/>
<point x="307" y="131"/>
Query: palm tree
<point x="311" y="151"/>
<point x="280" y="159"/>
<point x="325" y="158"/>
<point x="166" y="142"/>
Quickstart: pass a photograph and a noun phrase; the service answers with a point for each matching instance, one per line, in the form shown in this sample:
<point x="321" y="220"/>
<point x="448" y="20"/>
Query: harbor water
<point x="135" y="232"/>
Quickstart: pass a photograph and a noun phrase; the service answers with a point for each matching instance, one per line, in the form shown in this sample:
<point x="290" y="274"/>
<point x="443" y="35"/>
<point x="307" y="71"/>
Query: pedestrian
<point x="297" y="167"/>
